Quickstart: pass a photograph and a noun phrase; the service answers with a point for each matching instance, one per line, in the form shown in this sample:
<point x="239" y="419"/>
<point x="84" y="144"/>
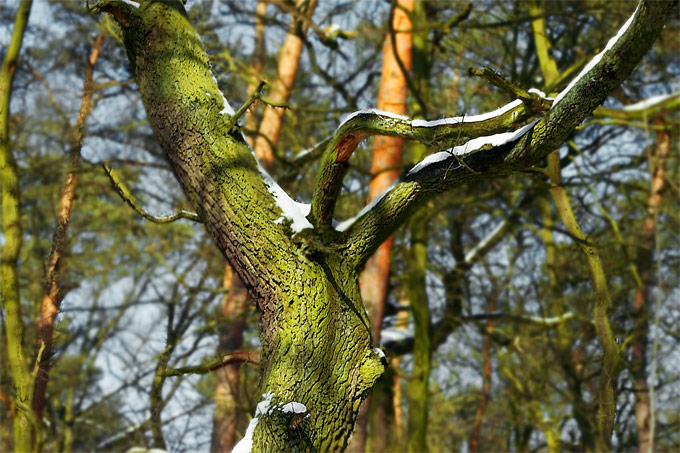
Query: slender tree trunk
<point x="645" y="267"/>
<point x="418" y="395"/>
<point x="386" y="160"/>
<point x="54" y="294"/>
<point x="11" y="227"/>
<point x="250" y="122"/>
<point x="602" y="298"/>
<point x="289" y="60"/>
<point x="486" y="380"/>
<point x="227" y="407"/>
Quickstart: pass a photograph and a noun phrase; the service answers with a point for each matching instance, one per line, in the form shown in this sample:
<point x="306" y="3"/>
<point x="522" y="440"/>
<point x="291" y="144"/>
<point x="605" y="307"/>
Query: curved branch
<point x="128" y="198"/>
<point x="441" y="134"/>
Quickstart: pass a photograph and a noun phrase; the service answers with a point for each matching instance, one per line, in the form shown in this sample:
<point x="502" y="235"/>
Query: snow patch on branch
<point x="131" y="3"/>
<point x="468" y="119"/>
<point x="596" y="59"/>
<point x="649" y="102"/>
<point x="291" y="210"/>
<point x="540" y="94"/>
<point x="294" y="408"/>
<point x="263" y="408"/>
<point x="470" y="146"/>
<point x="380" y="113"/>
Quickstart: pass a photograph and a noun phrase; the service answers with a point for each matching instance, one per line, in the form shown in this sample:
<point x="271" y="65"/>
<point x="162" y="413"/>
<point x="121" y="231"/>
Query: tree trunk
<point x="418" y="383"/>
<point x="302" y="273"/>
<point x="316" y="338"/>
<point x="289" y="59"/>
<point x="53" y="296"/>
<point x="12" y="231"/>
<point x="486" y="378"/>
<point x="645" y="267"/>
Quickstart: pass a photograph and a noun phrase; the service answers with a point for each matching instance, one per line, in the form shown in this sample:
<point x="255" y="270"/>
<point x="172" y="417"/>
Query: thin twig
<point x="246" y="105"/>
<point x="128" y="198"/>
<point x="216" y="363"/>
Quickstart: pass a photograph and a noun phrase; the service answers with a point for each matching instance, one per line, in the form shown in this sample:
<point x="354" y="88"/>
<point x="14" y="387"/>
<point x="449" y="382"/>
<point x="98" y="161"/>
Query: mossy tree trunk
<point x="316" y="341"/>
<point x="22" y="377"/>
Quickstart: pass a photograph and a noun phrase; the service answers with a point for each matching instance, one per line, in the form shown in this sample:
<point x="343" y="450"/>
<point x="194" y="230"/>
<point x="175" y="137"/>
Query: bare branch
<point x="128" y="198"/>
<point x="216" y="363"/>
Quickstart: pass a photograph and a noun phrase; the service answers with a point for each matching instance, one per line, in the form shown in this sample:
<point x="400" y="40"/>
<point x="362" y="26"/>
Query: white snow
<point x="646" y="103"/>
<point x="294" y="408"/>
<point x="380" y="113"/>
<point x="468" y="119"/>
<point x="380" y="352"/>
<point x="292" y="210"/>
<point x="227" y="107"/>
<point x="246" y="444"/>
<point x="540" y="94"/>
<point x="332" y="28"/>
<point x="131" y="3"/>
<point x="393" y="334"/>
<point x="345" y="224"/>
<point x="443" y="121"/>
<point x="596" y="59"/>
<point x="470" y="146"/>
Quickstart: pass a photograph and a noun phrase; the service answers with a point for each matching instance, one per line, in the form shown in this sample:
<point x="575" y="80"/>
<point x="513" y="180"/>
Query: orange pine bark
<point x="289" y="60"/>
<point x="392" y="97"/>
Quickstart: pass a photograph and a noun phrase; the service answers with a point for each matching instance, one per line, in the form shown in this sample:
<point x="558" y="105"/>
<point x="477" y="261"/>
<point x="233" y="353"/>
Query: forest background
<point x="154" y="342"/>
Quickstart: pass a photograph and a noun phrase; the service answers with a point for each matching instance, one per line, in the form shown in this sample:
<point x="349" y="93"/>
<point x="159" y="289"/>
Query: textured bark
<point x="12" y="231"/>
<point x="645" y="269"/>
<point x="289" y="60"/>
<point x="316" y="341"/>
<point x="54" y="294"/>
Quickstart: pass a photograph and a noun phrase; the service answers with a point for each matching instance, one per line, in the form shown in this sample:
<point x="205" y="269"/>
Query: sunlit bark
<point x="289" y="60"/>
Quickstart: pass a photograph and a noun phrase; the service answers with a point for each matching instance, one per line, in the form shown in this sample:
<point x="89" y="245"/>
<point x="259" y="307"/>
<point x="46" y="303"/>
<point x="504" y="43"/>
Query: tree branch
<point x="440" y="134"/>
<point x="216" y="363"/>
<point x="128" y="198"/>
<point x="515" y="153"/>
